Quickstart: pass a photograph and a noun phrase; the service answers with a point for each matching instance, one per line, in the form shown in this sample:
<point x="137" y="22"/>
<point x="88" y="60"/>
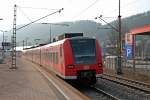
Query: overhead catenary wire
<point x="108" y="24"/>
<point x="24" y="14"/>
<point x="40" y="19"/>
<point x="20" y="8"/>
<point x="38" y="8"/>
<point x="84" y="10"/>
<point x="125" y="5"/>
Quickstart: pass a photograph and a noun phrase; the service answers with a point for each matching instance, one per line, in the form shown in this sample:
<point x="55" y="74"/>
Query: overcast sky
<point x="73" y="10"/>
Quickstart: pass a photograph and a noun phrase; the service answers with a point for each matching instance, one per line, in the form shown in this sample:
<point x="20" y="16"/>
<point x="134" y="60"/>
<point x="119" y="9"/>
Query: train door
<point x="61" y="59"/>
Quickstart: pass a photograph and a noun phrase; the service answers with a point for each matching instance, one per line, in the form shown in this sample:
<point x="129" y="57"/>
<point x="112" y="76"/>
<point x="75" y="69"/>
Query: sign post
<point x="129" y="53"/>
<point x="130" y="48"/>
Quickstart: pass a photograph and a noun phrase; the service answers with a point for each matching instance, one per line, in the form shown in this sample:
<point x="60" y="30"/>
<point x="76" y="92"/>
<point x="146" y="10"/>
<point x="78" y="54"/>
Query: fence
<point x="142" y="67"/>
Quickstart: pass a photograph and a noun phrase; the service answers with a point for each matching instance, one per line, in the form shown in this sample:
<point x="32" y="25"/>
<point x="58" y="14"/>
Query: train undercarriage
<point x="87" y="77"/>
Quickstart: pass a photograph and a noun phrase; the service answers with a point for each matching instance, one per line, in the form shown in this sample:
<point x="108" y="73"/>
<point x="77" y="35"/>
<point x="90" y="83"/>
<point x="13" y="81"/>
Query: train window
<point x="47" y="54"/>
<point x="56" y="58"/>
<point x="51" y="57"/>
<point x="84" y="51"/>
<point x="60" y="51"/>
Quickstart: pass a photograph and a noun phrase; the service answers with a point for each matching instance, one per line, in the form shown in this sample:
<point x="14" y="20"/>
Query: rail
<point x="127" y="82"/>
<point x="105" y="93"/>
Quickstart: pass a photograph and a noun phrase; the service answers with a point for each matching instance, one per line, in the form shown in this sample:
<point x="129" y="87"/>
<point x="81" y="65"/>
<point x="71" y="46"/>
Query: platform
<point x="25" y="83"/>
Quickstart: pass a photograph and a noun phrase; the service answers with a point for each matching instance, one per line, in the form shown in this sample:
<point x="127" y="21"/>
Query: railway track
<point x="111" y="88"/>
<point x="105" y="94"/>
<point x="127" y="82"/>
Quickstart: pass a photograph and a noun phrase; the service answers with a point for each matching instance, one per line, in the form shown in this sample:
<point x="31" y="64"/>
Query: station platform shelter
<point x="130" y="41"/>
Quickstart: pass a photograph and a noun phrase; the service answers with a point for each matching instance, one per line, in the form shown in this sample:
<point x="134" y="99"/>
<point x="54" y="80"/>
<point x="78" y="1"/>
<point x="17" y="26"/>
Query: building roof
<point x="145" y="30"/>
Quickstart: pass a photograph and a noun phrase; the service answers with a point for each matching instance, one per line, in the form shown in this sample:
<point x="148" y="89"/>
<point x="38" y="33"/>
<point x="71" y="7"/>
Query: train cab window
<point x="84" y="51"/>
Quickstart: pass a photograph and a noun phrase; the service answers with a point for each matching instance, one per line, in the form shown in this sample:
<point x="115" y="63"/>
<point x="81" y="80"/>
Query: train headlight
<point x="100" y="65"/>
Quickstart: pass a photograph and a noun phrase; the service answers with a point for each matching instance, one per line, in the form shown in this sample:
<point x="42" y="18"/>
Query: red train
<point x="71" y="58"/>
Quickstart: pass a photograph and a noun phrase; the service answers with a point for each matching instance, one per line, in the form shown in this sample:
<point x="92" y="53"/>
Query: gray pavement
<point x="25" y="83"/>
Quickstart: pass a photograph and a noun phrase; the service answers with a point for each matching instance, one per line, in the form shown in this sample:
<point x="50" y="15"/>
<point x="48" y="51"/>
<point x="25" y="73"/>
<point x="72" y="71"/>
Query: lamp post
<point x="50" y="25"/>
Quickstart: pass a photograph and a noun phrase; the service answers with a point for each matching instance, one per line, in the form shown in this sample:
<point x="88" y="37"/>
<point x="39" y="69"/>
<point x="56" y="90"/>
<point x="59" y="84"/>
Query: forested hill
<point x="89" y="28"/>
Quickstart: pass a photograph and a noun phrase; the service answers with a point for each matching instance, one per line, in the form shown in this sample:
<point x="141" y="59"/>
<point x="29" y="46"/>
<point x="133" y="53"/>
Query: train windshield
<point x="84" y="51"/>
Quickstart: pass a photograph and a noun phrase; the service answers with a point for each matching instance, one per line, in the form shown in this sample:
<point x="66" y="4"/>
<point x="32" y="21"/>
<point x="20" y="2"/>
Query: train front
<point x="84" y="60"/>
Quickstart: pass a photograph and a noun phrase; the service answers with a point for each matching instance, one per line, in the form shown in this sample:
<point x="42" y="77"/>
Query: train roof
<point x="57" y="42"/>
<point x="73" y="38"/>
<point x="69" y="35"/>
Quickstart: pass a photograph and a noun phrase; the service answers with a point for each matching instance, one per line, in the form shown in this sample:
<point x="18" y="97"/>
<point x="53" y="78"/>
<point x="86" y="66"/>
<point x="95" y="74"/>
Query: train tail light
<point x="100" y="64"/>
<point x="70" y="66"/>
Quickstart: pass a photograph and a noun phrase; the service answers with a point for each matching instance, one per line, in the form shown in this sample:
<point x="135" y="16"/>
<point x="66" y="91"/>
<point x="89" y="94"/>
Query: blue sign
<point x="129" y="53"/>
